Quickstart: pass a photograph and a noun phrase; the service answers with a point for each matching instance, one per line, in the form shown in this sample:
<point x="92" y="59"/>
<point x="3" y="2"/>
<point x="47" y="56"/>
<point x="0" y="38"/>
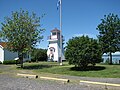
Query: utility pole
<point x="61" y="33"/>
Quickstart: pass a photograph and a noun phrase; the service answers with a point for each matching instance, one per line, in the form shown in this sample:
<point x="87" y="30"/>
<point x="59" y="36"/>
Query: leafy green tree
<point x="109" y="34"/>
<point x="39" y="55"/>
<point x="21" y="31"/>
<point x="82" y="51"/>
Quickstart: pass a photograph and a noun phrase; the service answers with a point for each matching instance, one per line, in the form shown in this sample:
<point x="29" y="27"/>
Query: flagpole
<point x="61" y="32"/>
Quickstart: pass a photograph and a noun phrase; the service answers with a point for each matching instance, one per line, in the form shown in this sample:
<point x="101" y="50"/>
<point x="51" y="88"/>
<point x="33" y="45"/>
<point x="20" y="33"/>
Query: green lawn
<point x="109" y="71"/>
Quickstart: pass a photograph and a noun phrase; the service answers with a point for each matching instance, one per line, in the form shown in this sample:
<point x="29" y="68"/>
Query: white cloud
<point x="90" y="35"/>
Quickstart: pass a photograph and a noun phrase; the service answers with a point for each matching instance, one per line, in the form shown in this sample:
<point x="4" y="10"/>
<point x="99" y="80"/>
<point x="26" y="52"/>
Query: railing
<point x="54" y="37"/>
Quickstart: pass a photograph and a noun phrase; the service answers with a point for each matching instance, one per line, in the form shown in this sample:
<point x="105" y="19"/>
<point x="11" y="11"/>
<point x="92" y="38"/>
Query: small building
<point x="115" y="57"/>
<point x="5" y="54"/>
<point x="54" y="51"/>
<point x="8" y="55"/>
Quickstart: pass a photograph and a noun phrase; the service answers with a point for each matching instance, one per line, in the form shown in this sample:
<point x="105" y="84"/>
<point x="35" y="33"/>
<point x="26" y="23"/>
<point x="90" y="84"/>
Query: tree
<point x="82" y="51"/>
<point x="21" y="31"/>
<point x="39" y="55"/>
<point x="109" y="34"/>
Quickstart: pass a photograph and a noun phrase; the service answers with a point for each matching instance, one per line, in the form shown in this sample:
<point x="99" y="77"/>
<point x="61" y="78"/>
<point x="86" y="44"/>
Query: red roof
<point x="3" y="44"/>
<point x="55" y="30"/>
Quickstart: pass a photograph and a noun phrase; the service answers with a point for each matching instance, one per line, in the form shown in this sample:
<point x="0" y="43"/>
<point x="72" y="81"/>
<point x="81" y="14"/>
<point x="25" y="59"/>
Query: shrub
<point x="0" y="62"/>
<point x="9" y="62"/>
<point x="82" y="51"/>
<point x="39" y="55"/>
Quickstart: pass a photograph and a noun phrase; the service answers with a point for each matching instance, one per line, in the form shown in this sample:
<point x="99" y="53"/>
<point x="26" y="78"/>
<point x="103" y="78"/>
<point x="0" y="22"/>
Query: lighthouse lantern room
<point x="54" y="51"/>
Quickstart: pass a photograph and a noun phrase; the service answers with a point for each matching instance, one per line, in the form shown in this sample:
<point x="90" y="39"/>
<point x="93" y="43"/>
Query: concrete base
<point x="58" y="79"/>
<point x="27" y="75"/>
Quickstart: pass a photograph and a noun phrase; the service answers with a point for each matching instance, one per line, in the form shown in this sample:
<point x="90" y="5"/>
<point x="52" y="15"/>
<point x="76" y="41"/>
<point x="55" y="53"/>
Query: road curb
<point x="100" y="83"/>
<point x="27" y="75"/>
<point x="57" y="79"/>
<point x="67" y="80"/>
<point x="49" y="78"/>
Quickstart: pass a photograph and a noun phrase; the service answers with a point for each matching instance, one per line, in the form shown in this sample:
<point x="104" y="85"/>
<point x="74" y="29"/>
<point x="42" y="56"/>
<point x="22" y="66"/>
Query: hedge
<point x="9" y="62"/>
<point x="0" y="62"/>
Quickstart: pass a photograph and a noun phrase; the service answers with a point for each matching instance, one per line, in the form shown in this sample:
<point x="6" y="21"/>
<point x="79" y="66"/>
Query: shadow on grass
<point x="89" y="68"/>
<point x="30" y="67"/>
<point x="108" y="64"/>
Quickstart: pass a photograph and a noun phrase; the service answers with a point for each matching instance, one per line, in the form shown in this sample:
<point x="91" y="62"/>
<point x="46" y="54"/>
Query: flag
<point x="58" y="4"/>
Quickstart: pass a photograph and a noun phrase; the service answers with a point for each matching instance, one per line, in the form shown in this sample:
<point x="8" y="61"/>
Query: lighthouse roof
<point x="55" y="30"/>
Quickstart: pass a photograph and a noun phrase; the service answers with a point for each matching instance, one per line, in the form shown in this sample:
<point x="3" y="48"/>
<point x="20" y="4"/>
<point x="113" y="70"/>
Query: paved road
<point x="13" y="82"/>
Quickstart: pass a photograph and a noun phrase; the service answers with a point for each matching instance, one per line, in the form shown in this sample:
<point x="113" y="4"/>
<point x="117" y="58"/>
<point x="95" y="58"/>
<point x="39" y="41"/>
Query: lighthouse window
<point x="52" y="49"/>
<point x="54" y="33"/>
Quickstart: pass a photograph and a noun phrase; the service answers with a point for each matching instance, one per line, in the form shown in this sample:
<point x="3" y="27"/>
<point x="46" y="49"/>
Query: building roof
<point x="3" y="44"/>
<point x="55" y="30"/>
<point x="1" y="47"/>
<point x="116" y="53"/>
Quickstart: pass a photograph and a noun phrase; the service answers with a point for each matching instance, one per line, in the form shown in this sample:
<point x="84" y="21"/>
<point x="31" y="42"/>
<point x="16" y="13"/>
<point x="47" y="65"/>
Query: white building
<point x="1" y="54"/>
<point x="115" y="57"/>
<point x="5" y="54"/>
<point x="54" y="51"/>
<point x="8" y="55"/>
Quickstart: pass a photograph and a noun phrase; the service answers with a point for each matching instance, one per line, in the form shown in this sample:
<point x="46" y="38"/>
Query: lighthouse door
<point x="51" y="55"/>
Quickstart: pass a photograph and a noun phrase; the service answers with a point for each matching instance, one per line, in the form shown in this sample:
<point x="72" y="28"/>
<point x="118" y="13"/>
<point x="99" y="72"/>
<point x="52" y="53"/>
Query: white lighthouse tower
<point x="54" y="51"/>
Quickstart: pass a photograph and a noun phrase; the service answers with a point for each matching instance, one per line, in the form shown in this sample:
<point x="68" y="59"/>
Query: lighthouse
<point x="55" y="52"/>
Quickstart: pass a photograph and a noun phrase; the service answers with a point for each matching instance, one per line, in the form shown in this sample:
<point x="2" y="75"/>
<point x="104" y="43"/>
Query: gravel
<point x="8" y="82"/>
<point x="13" y="82"/>
<point x="94" y="79"/>
<point x="16" y="83"/>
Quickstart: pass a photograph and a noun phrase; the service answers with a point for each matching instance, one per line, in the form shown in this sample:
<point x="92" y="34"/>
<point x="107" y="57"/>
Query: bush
<point x="82" y="51"/>
<point x="9" y="62"/>
<point x="0" y="62"/>
<point x="39" y="55"/>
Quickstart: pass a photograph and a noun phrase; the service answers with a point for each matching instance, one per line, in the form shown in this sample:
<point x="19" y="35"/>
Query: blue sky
<point x="78" y="16"/>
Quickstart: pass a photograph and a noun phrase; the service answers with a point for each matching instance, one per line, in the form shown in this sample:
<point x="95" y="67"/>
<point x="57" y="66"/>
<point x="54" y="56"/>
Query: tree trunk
<point x="21" y="62"/>
<point x="110" y="60"/>
<point x="21" y="59"/>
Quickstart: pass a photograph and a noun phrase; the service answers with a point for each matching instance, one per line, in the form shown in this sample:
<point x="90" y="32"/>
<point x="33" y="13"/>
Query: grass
<point x="108" y="71"/>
